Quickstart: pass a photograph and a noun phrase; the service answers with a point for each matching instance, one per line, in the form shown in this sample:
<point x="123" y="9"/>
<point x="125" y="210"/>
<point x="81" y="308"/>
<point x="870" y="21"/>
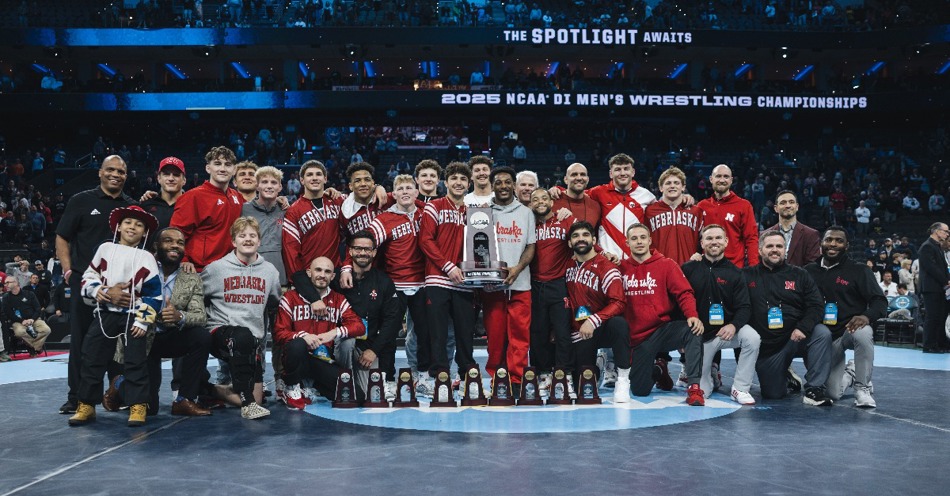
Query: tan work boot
<point x="85" y="413"/>
<point x="137" y="414"/>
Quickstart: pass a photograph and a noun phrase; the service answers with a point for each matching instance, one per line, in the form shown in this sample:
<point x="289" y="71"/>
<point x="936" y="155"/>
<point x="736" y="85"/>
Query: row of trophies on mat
<point x="472" y="393"/>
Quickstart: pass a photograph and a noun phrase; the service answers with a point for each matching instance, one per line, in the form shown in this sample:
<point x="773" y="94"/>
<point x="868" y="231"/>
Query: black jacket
<point x="852" y="287"/>
<point x="719" y="282"/>
<point x="25" y="303"/>
<point x="791" y="289"/>
<point x="933" y="268"/>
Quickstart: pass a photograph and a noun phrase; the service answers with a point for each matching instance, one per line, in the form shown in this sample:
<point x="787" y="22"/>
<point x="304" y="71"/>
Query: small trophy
<point x="501" y="389"/>
<point x="588" y="388"/>
<point x="405" y="393"/>
<point x="345" y="396"/>
<point x="472" y="394"/>
<point x="560" y="394"/>
<point x="376" y="394"/>
<point x="443" y="396"/>
<point x="530" y="394"/>
<point x="480" y="264"/>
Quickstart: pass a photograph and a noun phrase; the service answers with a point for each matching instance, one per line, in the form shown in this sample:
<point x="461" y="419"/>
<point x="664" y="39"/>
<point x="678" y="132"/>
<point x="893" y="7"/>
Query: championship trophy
<point x="443" y="396"/>
<point x="472" y="394"/>
<point x="480" y="264"/>
<point x="587" y="388"/>
<point x="560" y="393"/>
<point x="345" y="396"/>
<point x="530" y="394"/>
<point x="501" y="389"/>
<point x="405" y="392"/>
<point x="376" y="392"/>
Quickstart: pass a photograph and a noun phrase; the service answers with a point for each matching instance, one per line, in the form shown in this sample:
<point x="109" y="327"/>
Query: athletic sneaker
<point x="254" y="411"/>
<point x="425" y="386"/>
<point x="544" y="382"/>
<point x="293" y="397"/>
<point x="816" y="396"/>
<point x="863" y="398"/>
<point x="4" y="357"/>
<point x="570" y="389"/>
<point x="279" y="387"/>
<point x="716" y="377"/>
<point x="661" y="374"/>
<point x="849" y="378"/>
<point x="622" y="389"/>
<point x="683" y="380"/>
<point x="742" y="397"/>
<point x="793" y="380"/>
<point x="694" y="395"/>
<point x="610" y="376"/>
<point x="310" y="395"/>
<point x="390" y="387"/>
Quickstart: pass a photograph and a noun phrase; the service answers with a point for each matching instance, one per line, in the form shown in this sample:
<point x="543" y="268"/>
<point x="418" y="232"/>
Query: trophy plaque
<point x="472" y="394"/>
<point x="530" y="393"/>
<point x="560" y="393"/>
<point x="480" y="264"/>
<point x="444" y="395"/>
<point x="376" y="392"/>
<point x="405" y="392"/>
<point x="345" y="396"/>
<point x="587" y="388"/>
<point x="501" y="389"/>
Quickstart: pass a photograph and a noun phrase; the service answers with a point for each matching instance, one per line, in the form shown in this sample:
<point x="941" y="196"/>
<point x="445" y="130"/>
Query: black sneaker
<point x="816" y="396"/>
<point x="793" y="380"/>
<point x="68" y="408"/>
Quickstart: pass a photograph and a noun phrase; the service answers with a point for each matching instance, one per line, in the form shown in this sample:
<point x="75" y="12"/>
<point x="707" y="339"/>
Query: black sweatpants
<point x="670" y="336"/>
<point x="80" y="318"/>
<point x="549" y="312"/>
<point x="935" y="321"/>
<point x="244" y="354"/>
<point x="97" y="353"/>
<point x="443" y="304"/>
<point x="613" y="334"/>
<point x="190" y="347"/>
<point x="300" y="364"/>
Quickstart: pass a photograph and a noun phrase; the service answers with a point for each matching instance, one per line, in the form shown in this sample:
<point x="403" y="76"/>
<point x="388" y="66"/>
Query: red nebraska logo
<point x="721" y="281"/>
<point x="841" y="281"/>
<point x="790" y="285"/>
<point x="751" y="284"/>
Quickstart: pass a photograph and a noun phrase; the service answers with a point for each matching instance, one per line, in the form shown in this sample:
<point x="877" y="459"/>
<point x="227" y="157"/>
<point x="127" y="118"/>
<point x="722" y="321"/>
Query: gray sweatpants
<point x="745" y="338"/>
<point x="815" y="349"/>
<point x="862" y="342"/>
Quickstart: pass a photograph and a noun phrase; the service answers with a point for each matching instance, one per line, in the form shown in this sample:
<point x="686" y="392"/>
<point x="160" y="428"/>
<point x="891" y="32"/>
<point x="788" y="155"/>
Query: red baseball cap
<point x="173" y="162"/>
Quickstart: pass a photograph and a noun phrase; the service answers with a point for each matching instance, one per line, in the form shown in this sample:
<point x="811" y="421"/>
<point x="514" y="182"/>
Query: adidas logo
<point x="220" y="202"/>
<point x="94" y="212"/>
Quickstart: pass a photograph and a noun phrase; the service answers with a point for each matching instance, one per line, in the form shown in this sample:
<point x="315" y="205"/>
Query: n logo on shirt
<point x="730" y="217"/>
<point x="790" y="285"/>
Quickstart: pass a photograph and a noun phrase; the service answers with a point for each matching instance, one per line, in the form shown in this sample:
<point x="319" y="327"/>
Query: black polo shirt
<point x="161" y="209"/>
<point x="85" y="224"/>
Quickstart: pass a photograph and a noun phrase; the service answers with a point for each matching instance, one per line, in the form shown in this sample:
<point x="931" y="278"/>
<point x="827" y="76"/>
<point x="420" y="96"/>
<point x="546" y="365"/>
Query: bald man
<point x="733" y="213"/>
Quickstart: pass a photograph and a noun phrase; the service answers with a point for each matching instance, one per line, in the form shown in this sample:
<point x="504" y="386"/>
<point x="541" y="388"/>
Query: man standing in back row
<point x="735" y="215"/>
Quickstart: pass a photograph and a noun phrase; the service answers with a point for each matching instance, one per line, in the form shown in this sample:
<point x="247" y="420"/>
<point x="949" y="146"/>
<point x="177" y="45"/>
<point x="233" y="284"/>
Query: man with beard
<point x="582" y="206"/>
<point x="441" y="238"/>
<point x="735" y="214"/>
<point x="308" y="339"/>
<point x="801" y="241"/>
<point x="180" y="331"/>
<point x="657" y="293"/>
<point x="481" y="194"/>
<point x="722" y="301"/>
<point x="507" y="306"/>
<point x="525" y="182"/>
<point x="549" y="316"/>
<point x="358" y="209"/>
<point x="853" y="303"/>
<point x="84" y="226"/>
<point x="595" y="293"/>
<point x="372" y="296"/>
<point x="786" y="308"/>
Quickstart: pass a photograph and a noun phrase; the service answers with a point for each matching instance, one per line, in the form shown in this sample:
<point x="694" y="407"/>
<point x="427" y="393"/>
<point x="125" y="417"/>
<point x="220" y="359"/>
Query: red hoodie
<point x="657" y="292"/>
<point x="204" y="215"/>
<point x="735" y="215"/>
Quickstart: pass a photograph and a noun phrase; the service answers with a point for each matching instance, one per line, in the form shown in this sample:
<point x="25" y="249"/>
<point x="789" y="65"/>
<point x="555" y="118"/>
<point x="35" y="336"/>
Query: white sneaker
<point x="311" y="395"/>
<point x="254" y="411"/>
<point x="570" y="389"/>
<point x="742" y="397"/>
<point x="390" y="387"/>
<point x="545" y="381"/>
<point x="683" y="380"/>
<point x="293" y="397"/>
<point x="622" y="389"/>
<point x="863" y="398"/>
<point x="279" y="388"/>
<point x="426" y="387"/>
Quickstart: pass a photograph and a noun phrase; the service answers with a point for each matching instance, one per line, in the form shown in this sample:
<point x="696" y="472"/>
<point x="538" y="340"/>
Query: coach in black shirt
<point x="933" y="285"/>
<point x="84" y="226"/>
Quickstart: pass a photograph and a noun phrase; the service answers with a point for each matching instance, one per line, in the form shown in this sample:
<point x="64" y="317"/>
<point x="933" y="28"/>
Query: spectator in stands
<point x="519" y="154"/>
<point x="44" y="275"/>
<point x="862" y="215"/>
<point x="19" y="268"/>
<point x="293" y="188"/>
<point x="936" y="202"/>
<point x="910" y="203"/>
<point x="21" y="311"/>
<point x="905" y="276"/>
<point x="887" y="283"/>
<point x="59" y="303"/>
<point x="41" y="292"/>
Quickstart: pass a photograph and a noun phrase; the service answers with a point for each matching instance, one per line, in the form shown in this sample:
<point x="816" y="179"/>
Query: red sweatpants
<point x="508" y="325"/>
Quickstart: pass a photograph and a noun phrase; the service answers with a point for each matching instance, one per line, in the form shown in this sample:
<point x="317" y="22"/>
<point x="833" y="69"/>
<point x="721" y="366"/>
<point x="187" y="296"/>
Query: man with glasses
<point x="934" y="280"/>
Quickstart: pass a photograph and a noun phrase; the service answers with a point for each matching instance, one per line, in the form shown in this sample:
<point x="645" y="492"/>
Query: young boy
<point x="240" y="288"/>
<point x="122" y="282"/>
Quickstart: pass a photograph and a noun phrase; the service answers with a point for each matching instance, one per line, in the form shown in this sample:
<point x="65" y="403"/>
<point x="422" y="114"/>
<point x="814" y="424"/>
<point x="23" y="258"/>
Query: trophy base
<point x="376" y="404"/>
<point x="406" y="404"/>
<point x="588" y="401"/>
<point x="443" y="404"/>
<point x="565" y="401"/>
<point x="478" y="402"/>
<point x="482" y="278"/>
<point x="345" y="404"/>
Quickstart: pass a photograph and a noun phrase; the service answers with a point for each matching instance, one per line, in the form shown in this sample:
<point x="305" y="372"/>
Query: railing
<point x="83" y="161"/>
